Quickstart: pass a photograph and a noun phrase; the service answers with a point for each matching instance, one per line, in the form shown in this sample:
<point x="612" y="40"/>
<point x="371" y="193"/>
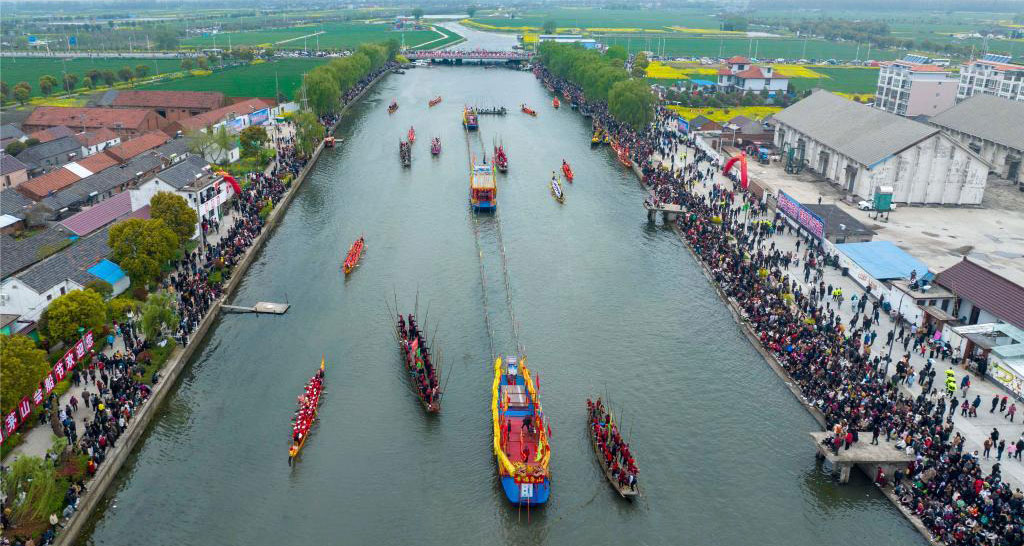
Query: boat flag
<point x="323" y="361"/>
<point x="231" y="180"/>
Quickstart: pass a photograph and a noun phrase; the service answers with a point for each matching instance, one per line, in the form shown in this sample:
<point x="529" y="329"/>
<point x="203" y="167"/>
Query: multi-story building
<point x="913" y="86"/>
<point x="991" y="75"/>
<point x="740" y="75"/>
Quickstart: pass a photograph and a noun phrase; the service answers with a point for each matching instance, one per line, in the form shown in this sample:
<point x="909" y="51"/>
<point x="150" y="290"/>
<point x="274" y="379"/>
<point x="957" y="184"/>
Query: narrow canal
<point x="606" y="303"/>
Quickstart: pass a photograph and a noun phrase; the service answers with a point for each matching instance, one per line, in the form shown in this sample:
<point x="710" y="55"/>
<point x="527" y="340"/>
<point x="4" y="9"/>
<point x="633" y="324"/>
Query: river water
<point x="606" y="303"/>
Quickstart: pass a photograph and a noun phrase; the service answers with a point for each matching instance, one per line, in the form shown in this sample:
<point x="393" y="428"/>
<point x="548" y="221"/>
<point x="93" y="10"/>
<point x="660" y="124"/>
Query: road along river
<point x="606" y="303"/>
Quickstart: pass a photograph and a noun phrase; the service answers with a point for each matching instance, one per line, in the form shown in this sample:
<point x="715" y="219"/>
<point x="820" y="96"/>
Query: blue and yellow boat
<point x="483" y="192"/>
<point x="521" y="434"/>
<point x="469" y="119"/>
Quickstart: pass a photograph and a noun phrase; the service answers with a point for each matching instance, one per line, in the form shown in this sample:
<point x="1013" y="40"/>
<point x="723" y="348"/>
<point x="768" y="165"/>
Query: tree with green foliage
<point x="46" y="84"/>
<point x="187" y="64"/>
<point x="142" y="247"/>
<point x="632" y="102"/>
<point x="158" y="315"/>
<point x="5" y="92"/>
<point x="593" y="72"/>
<point x="15" y="147"/>
<point x="203" y="63"/>
<point x="617" y="52"/>
<point x="23" y="366"/>
<point x="88" y="82"/>
<point x="70" y="82"/>
<point x="74" y="310"/>
<point x="252" y="139"/>
<point x="22" y="92"/>
<point x="322" y="92"/>
<point x="308" y="132"/>
<point x="101" y="287"/>
<point x="550" y="27"/>
<point x="95" y="75"/>
<point x="175" y="212"/>
<point x="735" y="23"/>
<point x="377" y="54"/>
<point x="165" y="38"/>
<point x="141" y="71"/>
<point x="125" y="73"/>
<point x="32" y="485"/>
<point x="118" y="308"/>
<point x="108" y="77"/>
<point x="417" y="12"/>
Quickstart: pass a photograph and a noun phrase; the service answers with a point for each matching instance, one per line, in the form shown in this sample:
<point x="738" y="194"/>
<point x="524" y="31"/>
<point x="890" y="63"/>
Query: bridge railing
<point x="473" y="55"/>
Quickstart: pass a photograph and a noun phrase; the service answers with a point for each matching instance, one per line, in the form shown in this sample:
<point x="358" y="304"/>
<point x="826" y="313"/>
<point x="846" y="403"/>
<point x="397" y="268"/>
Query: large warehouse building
<point x="993" y="127"/>
<point x="861" y="149"/>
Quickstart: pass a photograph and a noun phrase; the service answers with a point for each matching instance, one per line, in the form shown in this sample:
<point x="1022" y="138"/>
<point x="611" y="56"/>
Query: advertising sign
<point x="259" y="117"/>
<point x="803" y="216"/>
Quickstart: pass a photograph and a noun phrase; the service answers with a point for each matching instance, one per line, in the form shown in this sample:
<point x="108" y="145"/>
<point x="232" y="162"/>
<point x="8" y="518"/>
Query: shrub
<point x="266" y="210"/>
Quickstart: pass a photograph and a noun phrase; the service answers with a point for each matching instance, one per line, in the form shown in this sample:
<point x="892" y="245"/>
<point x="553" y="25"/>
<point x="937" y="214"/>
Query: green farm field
<point x="20" y="69"/>
<point x="334" y="36"/>
<point x="842" y="80"/>
<point x="254" y="80"/>
<point x="607" y="18"/>
<point x="766" y="48"/>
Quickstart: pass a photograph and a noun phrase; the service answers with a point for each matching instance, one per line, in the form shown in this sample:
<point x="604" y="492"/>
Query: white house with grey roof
<point x="860" y="149"/>
<point x="991" y="126"/>
<point x="196" y="181"/>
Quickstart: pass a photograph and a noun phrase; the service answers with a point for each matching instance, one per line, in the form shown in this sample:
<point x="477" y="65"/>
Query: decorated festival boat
<point x="612" y="452"/>
<point x="354" y="253"/>
<point x="622" y="153"/>
<point x="521" y="434"/>
<point x="483" y="192"/>
<point x="329" y="141"/>
<point x="567" y="171"/>
<point x="392" y="107"/>
<point x="405" y="153"/>
<point x="555" y="103"/>
<point x="556" y="189"/>
<point x="500" y="159"/>
<point x="435" y="146"/>
<point x="423" y="373"/>
<point x="305" y="415"/>
<point x="527" y="110"/>
<point x="412" y="135"/>
<point x="469" y="119"/>
<point x="435" y="101"/>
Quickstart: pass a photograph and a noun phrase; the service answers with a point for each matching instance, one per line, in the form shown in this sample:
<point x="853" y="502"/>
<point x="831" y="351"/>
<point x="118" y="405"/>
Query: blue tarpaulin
<point x="883" y="260"/>
<point x="108" y="271"/>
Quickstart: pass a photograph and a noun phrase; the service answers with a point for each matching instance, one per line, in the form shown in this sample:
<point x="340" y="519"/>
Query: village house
<point x="740" y="75"/>
<point x="126" y="122"/>
<point x="172" y="105"/>
<point x="12" y="171"/>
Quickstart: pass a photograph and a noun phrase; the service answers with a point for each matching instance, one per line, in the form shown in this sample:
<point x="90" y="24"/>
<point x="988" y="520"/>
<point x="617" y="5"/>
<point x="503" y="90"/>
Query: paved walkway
<point x="974" y="430"/>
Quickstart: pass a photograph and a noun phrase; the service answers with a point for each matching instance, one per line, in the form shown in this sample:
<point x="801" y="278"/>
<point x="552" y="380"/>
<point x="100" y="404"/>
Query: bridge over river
<point x="458" y="56"/>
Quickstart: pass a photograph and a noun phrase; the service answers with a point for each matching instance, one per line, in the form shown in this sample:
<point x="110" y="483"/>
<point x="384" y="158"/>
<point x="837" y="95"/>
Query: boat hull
<point x="513" y="492"/>
<point x="483" y="206"/>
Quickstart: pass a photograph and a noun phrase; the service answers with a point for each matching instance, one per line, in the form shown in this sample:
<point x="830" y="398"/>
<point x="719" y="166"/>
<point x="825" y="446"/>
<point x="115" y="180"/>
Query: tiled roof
<point x="71" y="263"/>
<point x="99" y="215"/>
<point x="185" y="173"/>
<point x="21" y="253"/>
<point x="10" y="130"/>
<point x="98" y="162"/>
<point x="738" y="60"/>
<point x="92" y="138"/>
<point x="131" y="148"/>
<point x="14" y="203"/>
<point x="169" y="99"/>
<point x="53" y="133"/>
<point x="1001" y="66"/>
<point x="130" y="118"/>
<point x="985" y="289"/>
<point x="724" y="71"/>
<point x="36" y="154"/>
<point x="110" y="179"/>
<point x="988" y="117"/>
<point x="55" y="180"/>
<point x="213" y="117"/>
<point x="10" y="164"/>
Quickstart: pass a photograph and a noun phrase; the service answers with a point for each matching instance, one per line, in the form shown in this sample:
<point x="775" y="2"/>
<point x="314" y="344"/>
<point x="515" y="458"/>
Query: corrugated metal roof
<point x="883" y="260"/>
<point x="989" y="291"/>
<point x="99" y="215"/>
<point x="995" y="119"/>
<point x="865" y="134"/>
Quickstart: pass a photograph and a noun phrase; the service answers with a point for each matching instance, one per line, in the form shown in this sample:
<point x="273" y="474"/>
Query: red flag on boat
<point x="414" y="345"/>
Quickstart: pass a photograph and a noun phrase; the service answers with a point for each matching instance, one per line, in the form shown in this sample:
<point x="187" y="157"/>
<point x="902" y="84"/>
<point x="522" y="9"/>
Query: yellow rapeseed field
<point x="722" y="115"/>
<point x="797" y="71"/>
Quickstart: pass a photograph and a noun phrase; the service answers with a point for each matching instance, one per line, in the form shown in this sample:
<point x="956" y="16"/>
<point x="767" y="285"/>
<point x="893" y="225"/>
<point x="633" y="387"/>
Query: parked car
<point x="868" y="205"/>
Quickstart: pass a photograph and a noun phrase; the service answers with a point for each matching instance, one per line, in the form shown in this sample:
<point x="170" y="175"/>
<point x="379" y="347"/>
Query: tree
<point x="74" y="310"/>
<point x="550" y="27"/>
<point x="15" y="147"/>
<point x="165" y="39"/>
<point x="70" y="82"/>
<point x="46" y="84"/>
<point x="101" y="287"/>
<point x="308" y="132"/>
<point x="252" y="139"/>
<point x="175" y="212"/>
<point x="23" y="366"/>
<point x="417" y="13"/>
<point x="141" y="71"/>
<point x="203" y="63"/>
<point x="158" y="314"/>
<point x="632" y="102"/>
<point x="142" y="247"/>
<point x="22" y="91"/>
<point x="187" y="64"/>
<point x="89" y="82"/>
<point x="471" y="10"/>
<point x="5" y="91"/>
<point x="108" y="77"/>
<point x="125" y="73"/>
<point x="322" y="91"/>
<point x="617" y="52"/>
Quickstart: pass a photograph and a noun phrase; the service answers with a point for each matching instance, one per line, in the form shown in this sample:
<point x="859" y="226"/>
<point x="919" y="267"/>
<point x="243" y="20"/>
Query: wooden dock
<point x="862" y="453"/>
<point x="261" y="307"/>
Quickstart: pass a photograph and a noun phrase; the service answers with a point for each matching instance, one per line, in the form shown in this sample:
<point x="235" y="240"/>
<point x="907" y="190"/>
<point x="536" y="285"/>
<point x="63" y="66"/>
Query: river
<point x="607" y="304"/>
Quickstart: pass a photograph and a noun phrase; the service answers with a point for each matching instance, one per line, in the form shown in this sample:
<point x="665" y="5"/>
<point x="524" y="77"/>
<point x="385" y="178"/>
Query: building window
<point x="945" y="305"/>
<point x="49" y="297"/>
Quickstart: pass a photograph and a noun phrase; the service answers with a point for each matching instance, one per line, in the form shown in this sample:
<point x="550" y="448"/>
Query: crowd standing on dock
<point x="830" y="361"/>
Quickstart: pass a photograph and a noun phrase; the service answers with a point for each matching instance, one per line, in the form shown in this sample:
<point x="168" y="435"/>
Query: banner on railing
<point x="61" y="369"/>
<point x="802" y="215"/>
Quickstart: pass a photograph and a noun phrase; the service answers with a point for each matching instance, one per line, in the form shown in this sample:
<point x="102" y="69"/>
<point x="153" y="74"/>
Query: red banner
<point x="24" y="408"/>
<point x="37" y="396"/>
<point x="49" y="383"/>
<point x="11" y="423"/>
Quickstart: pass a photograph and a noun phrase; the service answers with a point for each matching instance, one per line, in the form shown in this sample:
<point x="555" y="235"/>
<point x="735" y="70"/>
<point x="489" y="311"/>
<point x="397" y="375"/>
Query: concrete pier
<point x="869" y="456"/>
<point x="669" y="211"/>
<point x="261" y="307"/>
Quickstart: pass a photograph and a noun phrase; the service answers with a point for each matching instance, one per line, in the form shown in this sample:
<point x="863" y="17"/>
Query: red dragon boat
<point x="412" y="135"/>
<point x="500" y="159"/>
<point x="567" y="171"/>
<point x="423" y="373"/>
<point x="555" y="103"/>
<point x="612" y="451"/>
<point x="528" y="110"/>
<point x="354" y="253"/>
<point x="305" y="415"/>
<point x="435" y="101"/>
<point x="435" y="146"/>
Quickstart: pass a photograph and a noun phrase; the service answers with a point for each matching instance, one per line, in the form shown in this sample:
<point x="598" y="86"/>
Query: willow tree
<point x="632" y="102"/>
